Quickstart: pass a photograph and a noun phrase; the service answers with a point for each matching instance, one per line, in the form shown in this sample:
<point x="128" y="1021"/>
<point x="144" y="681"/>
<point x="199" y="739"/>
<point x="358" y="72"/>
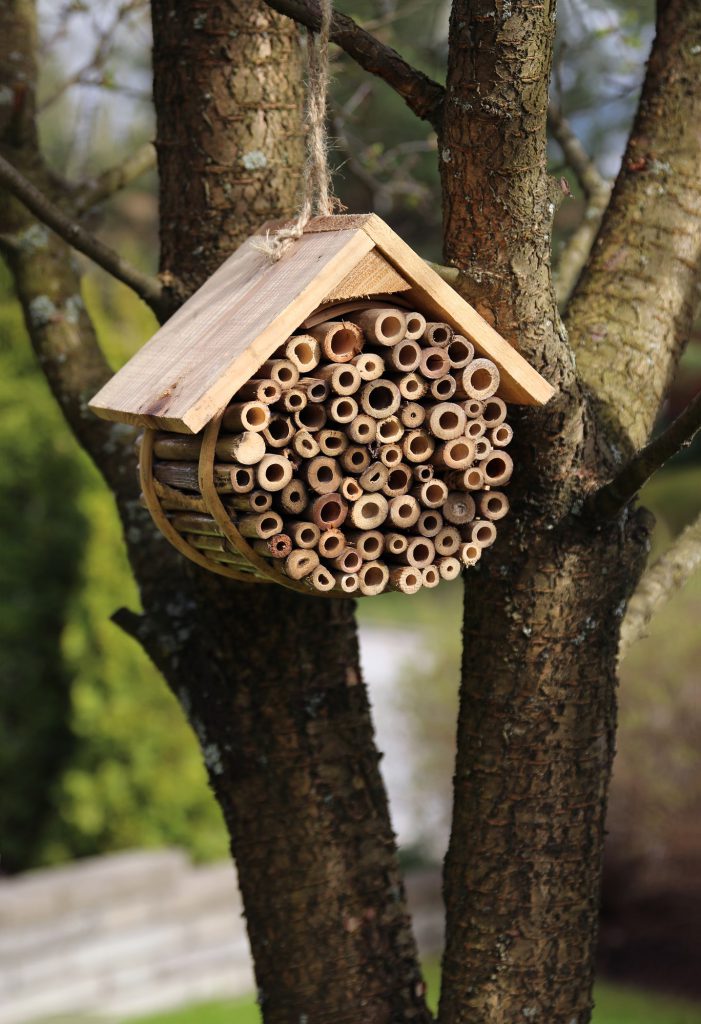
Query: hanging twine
<point x="317" y="199"/>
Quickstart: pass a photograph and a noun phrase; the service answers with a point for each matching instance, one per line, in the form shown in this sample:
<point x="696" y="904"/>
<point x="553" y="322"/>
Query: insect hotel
<point x="335" y="421"/>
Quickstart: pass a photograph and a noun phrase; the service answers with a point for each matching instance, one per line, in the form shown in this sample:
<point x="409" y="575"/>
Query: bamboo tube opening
<point x="413" y="414"/>
<point x="343" y="410"/>
<point x="447" y="420"/>
<point x="430" y="577"/>
<point x="383" y="326"/>
<point x="475" y="429"/>
<point x="369" y="544"/>
<point x="473" y="408"/>
<point x="473" y="479"/>
<point x="347" y="583"/>
<point x="438" y="334"/>
<point x="331" y="543"/>
<point x="273" y="472"/>
<point x="346" y="381"/>
<point x="317" y="390"/>
<point x="351" y="489"/>
<point x="405" y="356"/>
<point x="482" y="448"/>
<point x="312" y="417"/>
<point x="282" y="371"/>
<point x="374" y="477"/>
<point x="396" y="543"/>
<point x="260" y="501"/>
<point x="380" y="398"/>
<point x="418" y="446"/>
<point x="447" y="540"/>
<point x="470" y="554"/>
<point x="340" y="340"/>
<point x="369" y="511"/>
<point x="480" y="379"/>
<point x="348" y="561"/>
<point x="404" y="511"/>
<point x="305" y="445"/>
<point x="494" y="411"/>
<point x="459" y="508"/>
<point x="415" y="326"/>
<point x="276" y="547"/>
<point x="483" y="533"/>
<point x="266" y="391"/>
<point x="460" y="352"/>
<point x="329" y="511"/>
<point x="390" y="454"/>
<point x="412" y="387"/>
<point x="444" y="387"/>
<point x="422" y="473"/>
<point x="398" y="481"/>
<point x="299" y="564"/>
<point x="405" y="580"/>
<point x="369" y="365"/>
<point x="373" y="578"/>
<point x="502" y="435"/>
<point x="253" y="416"/>
<point x="494" y="505"/>
<point x="457" y="453"/>
<point x="433" y="493"/>
<point x="497" y="468"/>
<point x="294" y="497"/>
<point x="429" y="523"/>
<point x="279" y="432"/>
<point x="420" y="552"/>
<point x="434" y="363"/>
<point x="265" y="525"/>
<point x="305" y="535"/>
<point x="321" y="579"/>
<point x="449" y="568"/>
<point x="242" y="479"/>
<point x="355" y="459"/>
<point x="304" y="352"/>
<point x="323" y="474"/>
<point x="389" y="430"/>
<point x="332" y="442"/>
<point x="294" y="399"/>
<point x="362" y="429"/>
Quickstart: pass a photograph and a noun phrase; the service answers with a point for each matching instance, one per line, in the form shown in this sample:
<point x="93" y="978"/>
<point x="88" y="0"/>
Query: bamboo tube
<point x="343" y="409"/>
<point x="258" y="501"/>
<point x="180" y="501"/>
<point x="460" y="352"/>
<point x="380" y="398"/>
<point x="430" y="577"/>
<point x="362" y="429"/>
<point x="323" y="474"/>
<point x="482" y="532"/>
<point x="195" y="522"/>
<point x="243" y="478"/>
<point x="278" y="546"/>
<point x="458" y="453"/>
<point x="497" y="468"/>
<point x="493" y="505"/>
<point x="349" y="561"/>
<point x="254" y="390"/>
<point x="483" y="448"/>
<point x="420" y="552"/>
<point x="355" y="459"/>
<point x="475" y="428"/>
<point x="404" y="511"/>
<point x="373" y="578"/>
<point x="374" y="477"/>
<point x="346" y="583"/>
<point x="432" y="494"/>
<point x="279" y="432"/>
<point x="447" y="540"/>
<point x="264" y="525"/>
<point x="382" y="326"/>
<point x="342" y="379"/>
<point x="304" y="535"/>
<point x="253" y="416"/>
<point x="422" y="472"/>
<point x="471" y="479"/>
<point x="246" y="448"/>
<point x="405" y="356"/>
<point x="448" y="568"/>
<point x="369" y="365"/>
<point x="282" y="371"/>
<point x="331" y="543"/>
<point x="459" y="508"/>
<point x="321" y="579"/>
<point x="494" y="411"/>
<point x="480" y="379"/>
<point x="185" y="476"/>
<point x="305" y="445"/>
<point x="299" y="563"/>
<point x="438" y="334"/>
<point x="351" y="489"/>
<point x="396" y="543"/>
<point x="501" y="436"/>
<point x="472" y="408"/>
<point x="316" y="390"/>
<point x="443" y="388"/>
<point x="470" y="554"/>
<point x="412" y="387"/>
<point x="329" y="511"/>
<point x="340" y="340"/>
<point x="368" y="543"/>
<point x="412" y="414"/>
<point x="294" y="497"/>
<point x="332" y="442"/>
<point x="429" y="523"/>
<point x="311" y="418"/>
<point x="418" y="446"/>
<point x="399" y="480"/>
<point x="447" y="420"/>
<point x="203" y="542"/>
<point x="390" y="455"/>
<point x="406" y="580"/>
<point x="304" y="352"/>
<point x="415" y="326"/>
<point x="273" y="473"/>
<point x="294" y="399"/>
<point x="434" y="363"/>
<point x="389" y="430"/>
<point x="369" y="511"/>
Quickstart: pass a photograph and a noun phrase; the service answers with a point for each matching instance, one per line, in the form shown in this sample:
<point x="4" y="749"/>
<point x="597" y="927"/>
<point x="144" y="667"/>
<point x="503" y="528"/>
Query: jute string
<point x="317" y="199"/>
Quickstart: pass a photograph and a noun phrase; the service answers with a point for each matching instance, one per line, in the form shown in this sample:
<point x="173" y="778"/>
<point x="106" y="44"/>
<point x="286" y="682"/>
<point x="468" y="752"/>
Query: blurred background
<point x="106" y="819"/>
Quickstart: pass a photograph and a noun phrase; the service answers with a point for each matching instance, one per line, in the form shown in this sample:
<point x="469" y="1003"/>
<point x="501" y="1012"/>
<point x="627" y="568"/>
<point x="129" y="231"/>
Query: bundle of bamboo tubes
<point x="368" y="454"/>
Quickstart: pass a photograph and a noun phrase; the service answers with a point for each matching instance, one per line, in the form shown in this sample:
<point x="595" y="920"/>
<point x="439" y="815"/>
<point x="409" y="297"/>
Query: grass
<point x="614" y="1005"/>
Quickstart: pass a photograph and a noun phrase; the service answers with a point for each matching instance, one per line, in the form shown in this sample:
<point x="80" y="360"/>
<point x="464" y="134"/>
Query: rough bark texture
<point x="270" y="680"/>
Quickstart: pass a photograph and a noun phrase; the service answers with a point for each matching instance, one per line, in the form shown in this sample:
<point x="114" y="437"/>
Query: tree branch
<point x="89" y="194"/>
<point x="610" y="499"/>
<point x="597" y="192"/>
<point x="148" y="288"/>
<point x="660" y="583"/>
<point x="421" y="94"/>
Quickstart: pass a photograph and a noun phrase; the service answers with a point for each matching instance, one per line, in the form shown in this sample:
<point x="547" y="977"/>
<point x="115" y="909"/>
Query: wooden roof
<point x="192" y="366"/>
